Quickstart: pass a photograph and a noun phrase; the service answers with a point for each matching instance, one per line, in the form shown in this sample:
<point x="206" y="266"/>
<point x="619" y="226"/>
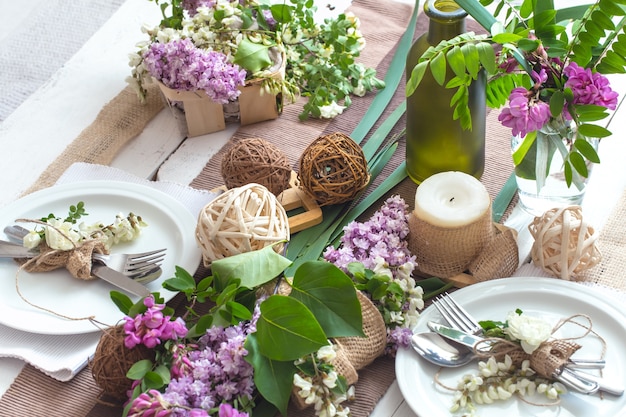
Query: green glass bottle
<point x="435" y="142"/>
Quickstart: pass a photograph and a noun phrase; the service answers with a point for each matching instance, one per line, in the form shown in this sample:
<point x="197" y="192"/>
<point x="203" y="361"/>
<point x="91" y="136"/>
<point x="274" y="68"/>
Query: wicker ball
<point x="258" y="161"/>
<point x="564" y="243"/>
<point x="242" y="219"/>
<point x="112" y="360"/>
<point x="333" y="169"/>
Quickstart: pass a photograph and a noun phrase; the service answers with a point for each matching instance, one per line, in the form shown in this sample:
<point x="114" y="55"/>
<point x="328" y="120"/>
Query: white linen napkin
<point x="63" y="356"/>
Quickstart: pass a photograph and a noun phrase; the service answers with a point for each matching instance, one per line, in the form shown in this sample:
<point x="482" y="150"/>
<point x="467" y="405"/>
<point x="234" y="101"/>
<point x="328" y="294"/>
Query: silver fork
<point x="135" y="265"/>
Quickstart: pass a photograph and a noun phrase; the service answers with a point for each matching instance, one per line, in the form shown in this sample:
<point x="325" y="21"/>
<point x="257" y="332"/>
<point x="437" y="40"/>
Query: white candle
<point x="451" y="199"/>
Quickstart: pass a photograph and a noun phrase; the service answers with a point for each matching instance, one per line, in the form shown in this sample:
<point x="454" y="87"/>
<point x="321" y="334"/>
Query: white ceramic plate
<point x="552" y="299"/>
<point x="170" y="225"/>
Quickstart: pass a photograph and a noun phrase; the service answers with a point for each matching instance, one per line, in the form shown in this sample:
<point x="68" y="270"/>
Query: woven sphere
<point x="333" y="169"/>
<point x="257" y="161"/>
<point x="242" y="219"/>
<point x="112" y="360"/>
<point x="564" y="242"/>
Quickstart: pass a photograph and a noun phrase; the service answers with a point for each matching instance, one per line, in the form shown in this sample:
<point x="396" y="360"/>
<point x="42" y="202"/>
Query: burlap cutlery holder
<point x="448" y="251"/>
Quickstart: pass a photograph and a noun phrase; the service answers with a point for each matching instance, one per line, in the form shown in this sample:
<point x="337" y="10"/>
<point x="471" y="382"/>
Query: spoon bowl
<point x="441" y="352"/>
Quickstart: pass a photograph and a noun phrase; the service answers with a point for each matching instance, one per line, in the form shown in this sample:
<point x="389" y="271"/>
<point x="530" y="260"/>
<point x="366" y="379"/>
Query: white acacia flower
<point x="61" y="236"/>
<point x="331" y="110"/>
<point x="330" y="380"/>
<point x="326" y="353"/>
<point x="32" y="240"/>
<point x="530" y="331"/>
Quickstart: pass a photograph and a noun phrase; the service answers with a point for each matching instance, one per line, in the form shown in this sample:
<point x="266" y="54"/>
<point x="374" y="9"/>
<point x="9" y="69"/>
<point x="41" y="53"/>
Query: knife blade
<point x="13" y="250"/>
<point x="119" y="280"/>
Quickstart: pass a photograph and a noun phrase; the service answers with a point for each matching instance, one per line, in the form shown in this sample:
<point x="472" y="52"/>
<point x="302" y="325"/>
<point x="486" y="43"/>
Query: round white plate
<point x="552" y="299"/>
<point x="170" y="226"/>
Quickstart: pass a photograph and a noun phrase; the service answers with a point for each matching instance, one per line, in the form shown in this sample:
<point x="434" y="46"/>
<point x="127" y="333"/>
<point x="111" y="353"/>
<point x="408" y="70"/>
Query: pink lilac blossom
<point x="589" y="87"/>
<point x="525" y="113"/>
<point x="152" y="327"/>
<point x="383" y="235"/>
<point x="180" y="65"/>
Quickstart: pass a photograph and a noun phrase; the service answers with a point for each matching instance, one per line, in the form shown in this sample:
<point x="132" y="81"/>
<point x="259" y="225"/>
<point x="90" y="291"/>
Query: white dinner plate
<point x="552" y="299"/>
<point x="170" y="226"/>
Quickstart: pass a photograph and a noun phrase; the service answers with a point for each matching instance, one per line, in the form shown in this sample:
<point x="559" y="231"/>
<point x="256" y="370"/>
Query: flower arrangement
<point x="261" y="339"/>
<point x="549" y="69"/>
<point x="375" y="253"/>
<point x="212" y="44"/>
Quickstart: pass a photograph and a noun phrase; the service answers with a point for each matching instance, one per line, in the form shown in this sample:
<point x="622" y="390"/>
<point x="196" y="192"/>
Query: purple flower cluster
<point x="180" y="65"/>
<point x="525" y="112"/>
<point x="217" y="372"/>
<point x="192" y="5"/>
<point x="382" y="236"/>
<point x="152" y="327"/>
<point x="589" y="87"/>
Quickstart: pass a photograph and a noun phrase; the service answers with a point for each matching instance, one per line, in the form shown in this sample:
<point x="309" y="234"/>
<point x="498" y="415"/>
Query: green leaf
<point x="557" y="102"/>
<point x="578" y="162"/>
<point x="273" y="379"/>
<point x="122" y="301"/>
<point x="252" y="56"/>
<point x="506" y="37"/>
<point x="593" y="131"/>
<point x="282" y="13"/>
<point x="472" y="59"/>
<point x="139" y="369"/>
<point x="330" y="295"/>
<point x="252" y="268"/>
<point x="438" y="68"/>
<point x="456" y="60"/>
<point x="487" y="57"/>
<point x="417" y="74"/>
<point x="587" y="150"/>
<point x="287" y="330"/>
<point x="182" y="281"/>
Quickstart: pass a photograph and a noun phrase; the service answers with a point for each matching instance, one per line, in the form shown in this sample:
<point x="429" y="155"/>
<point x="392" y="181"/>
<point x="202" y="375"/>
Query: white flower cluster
<point x="413" y="294"/>
<point x="529" y="331"/>
<point x="499" y="381"/>
<point x="64" y="235"/>
<point x="320" y="389"/>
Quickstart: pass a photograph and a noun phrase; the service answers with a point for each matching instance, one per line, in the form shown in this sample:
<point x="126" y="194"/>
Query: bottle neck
<point x="447" y="20"/>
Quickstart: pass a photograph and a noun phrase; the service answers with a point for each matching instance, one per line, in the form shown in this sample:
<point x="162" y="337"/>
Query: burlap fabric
<point x="119" y="121"/>
<point x="77" y="261"/>
<point x="447" y="251"/>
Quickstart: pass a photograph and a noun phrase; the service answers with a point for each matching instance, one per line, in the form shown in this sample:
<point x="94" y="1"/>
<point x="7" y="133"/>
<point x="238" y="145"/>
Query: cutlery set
<point x="128" y="272"/>
<point x="454" y="346"/>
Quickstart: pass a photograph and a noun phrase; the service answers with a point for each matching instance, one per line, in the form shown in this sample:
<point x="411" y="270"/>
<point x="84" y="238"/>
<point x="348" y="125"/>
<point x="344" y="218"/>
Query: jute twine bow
<point x="549" y="357"/>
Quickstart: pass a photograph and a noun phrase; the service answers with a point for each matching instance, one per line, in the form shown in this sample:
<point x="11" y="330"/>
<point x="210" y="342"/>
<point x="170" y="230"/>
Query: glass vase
<point x="540" y="176"/>
<point x="435" y="141"/>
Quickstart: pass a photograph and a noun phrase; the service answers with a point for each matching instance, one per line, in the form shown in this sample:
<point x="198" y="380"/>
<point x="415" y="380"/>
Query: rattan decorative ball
<point x="256" y="160"/>
<point x="113" y="359"/>
<point x="242" y="219"/>
<point x="333" y="169"/>
<point x="564" y="242"/>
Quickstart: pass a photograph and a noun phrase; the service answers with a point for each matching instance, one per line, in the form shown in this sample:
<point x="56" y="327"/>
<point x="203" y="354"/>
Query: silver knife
<point x="471" y="341"/>
<point x="119" y="280"/>
<point x="12" y="250"/>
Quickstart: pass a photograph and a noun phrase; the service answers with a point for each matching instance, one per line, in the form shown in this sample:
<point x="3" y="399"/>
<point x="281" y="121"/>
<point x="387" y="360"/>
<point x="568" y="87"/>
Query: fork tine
<point x="141" y="270"/>
<point x="132" y="268"/>
<point x="464" y="320"/>
<point x="139" y="260"/>
<point x="136" y="256"/>
<point x="447" y="314"/>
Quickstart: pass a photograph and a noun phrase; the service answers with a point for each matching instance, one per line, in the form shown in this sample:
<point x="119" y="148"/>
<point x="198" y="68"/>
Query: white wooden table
<point x="39" y="130"/>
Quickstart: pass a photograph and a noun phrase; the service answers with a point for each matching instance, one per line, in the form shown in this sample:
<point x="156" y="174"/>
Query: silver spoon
<point x="440" y="352"/>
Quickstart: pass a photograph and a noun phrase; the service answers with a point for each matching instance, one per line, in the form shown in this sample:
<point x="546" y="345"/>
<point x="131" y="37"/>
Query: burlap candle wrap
<point x="447" y="251"/>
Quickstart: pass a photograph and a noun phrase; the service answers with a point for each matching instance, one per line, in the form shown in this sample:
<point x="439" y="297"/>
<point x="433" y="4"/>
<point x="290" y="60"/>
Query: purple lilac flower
<point x="192" y="5"/>
<point x="396" y="337"/>
<point x="589" y="87"/>
<point x="152" y="327"/>
<point x="215" y="371"/>
<point x="180" y="65"/>
<point x="525" y="113"/>
<point x="381" y="236"/>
